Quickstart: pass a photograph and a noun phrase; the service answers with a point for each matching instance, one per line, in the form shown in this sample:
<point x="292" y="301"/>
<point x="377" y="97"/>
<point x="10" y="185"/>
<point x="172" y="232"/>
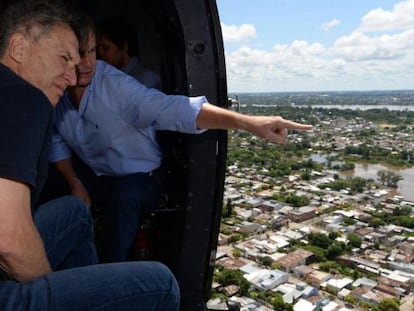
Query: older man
<point x="47" y="254"/>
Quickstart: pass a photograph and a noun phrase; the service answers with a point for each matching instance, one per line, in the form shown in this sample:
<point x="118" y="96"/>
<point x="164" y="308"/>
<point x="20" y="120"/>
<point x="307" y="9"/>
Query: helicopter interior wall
<point x="159" y="35"/>
<point x="181" y="40"/>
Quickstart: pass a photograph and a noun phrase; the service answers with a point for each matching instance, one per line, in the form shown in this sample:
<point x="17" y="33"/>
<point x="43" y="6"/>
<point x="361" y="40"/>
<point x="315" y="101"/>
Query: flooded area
<point x="405" y="186"/>
<point x="367" y="171"/>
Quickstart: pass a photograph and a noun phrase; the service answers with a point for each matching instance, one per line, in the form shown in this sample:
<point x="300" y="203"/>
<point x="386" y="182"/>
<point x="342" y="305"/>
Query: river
<point x="367" y="107"/>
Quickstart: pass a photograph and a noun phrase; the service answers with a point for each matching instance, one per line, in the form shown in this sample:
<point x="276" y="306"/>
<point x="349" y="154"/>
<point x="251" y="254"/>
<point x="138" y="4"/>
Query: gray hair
<point x="33" y="19"/>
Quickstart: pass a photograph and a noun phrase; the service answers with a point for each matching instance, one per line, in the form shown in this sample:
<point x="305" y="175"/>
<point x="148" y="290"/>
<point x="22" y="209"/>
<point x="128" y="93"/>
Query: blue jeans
<point x="66" y="227"/>
<point x="121" y="201"/>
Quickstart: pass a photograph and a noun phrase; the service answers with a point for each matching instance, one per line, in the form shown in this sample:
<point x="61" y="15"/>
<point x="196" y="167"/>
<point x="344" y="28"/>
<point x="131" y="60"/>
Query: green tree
<point x="236" y="253"/>
<point x="319" y="239"/>
<point x="328" y="265"/>
<point x="334" y="250"/>
<point x="233" y="277"/>
<point x="348" y="221"/>
<point x="333" y="235"/>
<point x="389" y="304"/>
<point x="265" y="261"/>
<point x="297" y="201"/>
<point x="279" y="305"/>
<point x="354" y="239"/>
<point x="389" y="178"/>
<point x="375" y="222"/>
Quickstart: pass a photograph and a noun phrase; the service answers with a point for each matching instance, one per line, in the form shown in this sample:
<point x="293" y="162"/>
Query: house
<point x="303" y="305"/>
<point x="395" y="292"/>
<point x="267" y="279"/>
<point x="278" y="222"/>
<point x="331" y="306"/>
<point x="394" y="240"/>
<point x="301" y="214"/>
<point x="270" y="206"/>
<point x="364" y="282"/>
<point x="248" y="304"/>
<point x="335" y="285"/>
<point x="316" y="278"/>
<point x="230" y="290"/>
<point x="403" y="285"/>
<point x="364" y="294"/>
<point x="302" y="271"/>
<point x="343" y="293"/>
<point x="296" y="258"/>
<point x="251" y="227"/>
<point x="289" y="292"/>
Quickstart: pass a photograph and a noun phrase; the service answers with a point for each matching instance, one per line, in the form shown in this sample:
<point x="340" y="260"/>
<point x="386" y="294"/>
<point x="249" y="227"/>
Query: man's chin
<point x="84" y="81"/>
<point x="83" y="84"/>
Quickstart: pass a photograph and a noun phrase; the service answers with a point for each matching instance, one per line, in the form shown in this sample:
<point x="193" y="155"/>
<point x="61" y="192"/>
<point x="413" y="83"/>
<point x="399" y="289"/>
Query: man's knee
<point x="165" y="277"/>
<point x="72" y="207"/>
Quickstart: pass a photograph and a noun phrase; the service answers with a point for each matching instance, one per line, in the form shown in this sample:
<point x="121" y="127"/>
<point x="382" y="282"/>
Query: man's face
<point x="86" y="68"/>
<point x="110" y="53"/>
<point x="49" y="63"/>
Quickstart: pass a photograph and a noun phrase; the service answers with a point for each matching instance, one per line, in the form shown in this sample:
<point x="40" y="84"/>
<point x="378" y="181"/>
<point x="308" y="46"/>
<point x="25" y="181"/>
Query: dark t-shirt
<point x="25" y="129"/>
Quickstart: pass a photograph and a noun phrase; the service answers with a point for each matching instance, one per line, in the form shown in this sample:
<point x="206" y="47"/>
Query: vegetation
<point x="232" y="277"/>
<point x="355" y="185"/>
<point x="366" y="151"/>
<point x="389" y="178"/>
<point x="401" y="216"/>
<point x="389" y="304"/>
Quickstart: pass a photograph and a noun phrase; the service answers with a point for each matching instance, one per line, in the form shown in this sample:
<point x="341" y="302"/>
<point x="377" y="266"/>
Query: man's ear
<point x="17" y="47"/>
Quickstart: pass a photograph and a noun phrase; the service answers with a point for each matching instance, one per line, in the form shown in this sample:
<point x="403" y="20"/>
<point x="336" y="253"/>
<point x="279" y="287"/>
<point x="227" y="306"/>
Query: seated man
<point x="118" y="45"/>
<point x="102" y="120"/>
<point x="47" y="254"/>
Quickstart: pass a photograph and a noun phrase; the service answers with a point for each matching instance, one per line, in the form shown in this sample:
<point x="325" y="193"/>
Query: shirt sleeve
<point x="59" y="150"/>
<point x="26" y="115"/>
<point x="143" y="107"/>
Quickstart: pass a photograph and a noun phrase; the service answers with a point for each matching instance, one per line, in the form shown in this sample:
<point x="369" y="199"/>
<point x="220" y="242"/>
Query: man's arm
<point x="271" y="128"/>
<point x="21" y="248"/>
<point x="77" y="188"/>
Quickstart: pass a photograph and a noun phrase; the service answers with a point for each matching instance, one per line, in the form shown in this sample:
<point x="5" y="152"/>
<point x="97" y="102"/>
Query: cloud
<point x="353" y="62"/>
<point x="401" y="17"/>
<point x="232" y="33"/>
<point x="358" y="46"/>
<point x="360" y="60"/>
<point x="331" y="24"/>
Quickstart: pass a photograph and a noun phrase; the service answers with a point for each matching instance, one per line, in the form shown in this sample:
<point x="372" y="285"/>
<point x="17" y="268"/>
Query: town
<point x="304" y="236"/>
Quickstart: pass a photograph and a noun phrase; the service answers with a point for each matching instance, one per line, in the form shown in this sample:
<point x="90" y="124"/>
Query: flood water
<point x="405" y="186"/>
<point x="367" y="171"/>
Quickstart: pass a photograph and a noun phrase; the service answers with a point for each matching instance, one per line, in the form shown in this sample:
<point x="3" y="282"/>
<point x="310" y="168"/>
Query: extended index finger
<point x="292" y="125"/>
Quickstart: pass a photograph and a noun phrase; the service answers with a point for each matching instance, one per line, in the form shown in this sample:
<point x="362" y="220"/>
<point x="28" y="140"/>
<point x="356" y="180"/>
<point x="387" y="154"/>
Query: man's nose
<point x="87" y="61"/>
<point x="70" y="76"/>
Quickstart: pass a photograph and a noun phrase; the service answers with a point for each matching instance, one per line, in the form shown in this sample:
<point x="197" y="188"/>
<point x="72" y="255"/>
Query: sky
<point x="318" y="45"/>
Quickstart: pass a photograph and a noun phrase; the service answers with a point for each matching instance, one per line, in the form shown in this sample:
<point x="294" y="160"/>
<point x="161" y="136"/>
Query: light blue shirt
<point x="109" y="131"/>
<point x="147" y="77"/>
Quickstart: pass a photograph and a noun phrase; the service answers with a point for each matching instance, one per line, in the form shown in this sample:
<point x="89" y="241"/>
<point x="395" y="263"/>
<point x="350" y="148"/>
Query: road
<point x="406" y="303"/>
